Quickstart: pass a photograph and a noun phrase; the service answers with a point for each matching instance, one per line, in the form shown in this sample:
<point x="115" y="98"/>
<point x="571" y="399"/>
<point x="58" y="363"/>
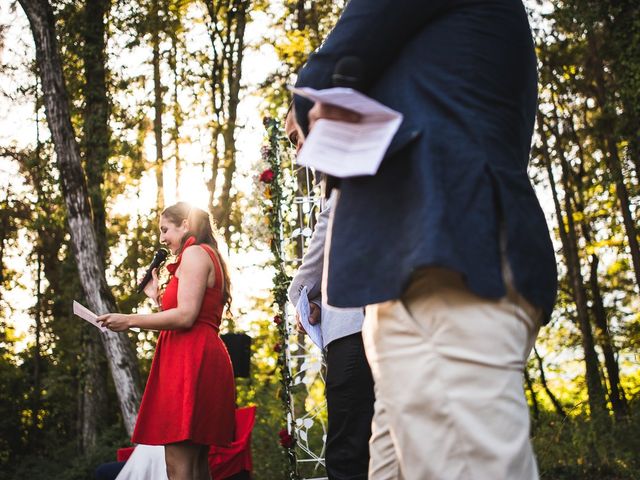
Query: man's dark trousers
<point x="350" y="400"/>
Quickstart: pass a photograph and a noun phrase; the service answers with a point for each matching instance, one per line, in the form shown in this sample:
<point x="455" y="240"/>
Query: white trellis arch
<point x="305" y="360"/>
<point x="292" y="202"/>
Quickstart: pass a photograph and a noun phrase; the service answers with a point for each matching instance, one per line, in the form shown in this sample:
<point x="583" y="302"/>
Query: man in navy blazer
<point x="447" y="243"/>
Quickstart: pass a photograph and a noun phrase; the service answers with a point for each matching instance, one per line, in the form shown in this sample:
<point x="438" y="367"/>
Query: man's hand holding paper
<point x="349" y="132"/>
<point x="303" y="314"/>
<point x="326" y="111"/>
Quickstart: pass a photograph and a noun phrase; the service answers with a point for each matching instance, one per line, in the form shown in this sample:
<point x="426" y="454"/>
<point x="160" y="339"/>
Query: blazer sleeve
<point x="310" y="272"/>
<point x="373" y="31"/>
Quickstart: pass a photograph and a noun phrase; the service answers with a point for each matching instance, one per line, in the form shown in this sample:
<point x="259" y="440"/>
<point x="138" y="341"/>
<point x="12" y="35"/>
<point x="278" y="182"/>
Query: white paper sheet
<point x="346" y="149"/>
<point x="88" y="315"/>
<point x="304" y="311"/>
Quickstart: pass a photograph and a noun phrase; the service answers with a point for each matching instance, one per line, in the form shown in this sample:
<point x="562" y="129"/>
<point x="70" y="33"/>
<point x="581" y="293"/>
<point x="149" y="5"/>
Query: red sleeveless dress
<point x="190" y="393"/>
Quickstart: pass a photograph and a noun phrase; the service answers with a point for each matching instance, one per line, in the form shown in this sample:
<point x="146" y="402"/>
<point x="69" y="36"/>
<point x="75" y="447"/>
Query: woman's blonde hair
<point x="199" y="227"/>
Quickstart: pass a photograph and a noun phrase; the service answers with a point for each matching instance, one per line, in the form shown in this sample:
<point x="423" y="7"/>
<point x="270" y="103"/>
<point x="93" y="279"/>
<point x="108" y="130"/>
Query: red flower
<point x="277" y="319"/>
<point x="277" y="348"/>
<point x="265" y="151"/>
<point x="266" y="176"/>
<point x="286" y="440"/>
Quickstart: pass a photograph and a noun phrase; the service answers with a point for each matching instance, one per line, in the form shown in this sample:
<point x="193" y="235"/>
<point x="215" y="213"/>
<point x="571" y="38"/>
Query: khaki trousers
<point x="448" y="366"/>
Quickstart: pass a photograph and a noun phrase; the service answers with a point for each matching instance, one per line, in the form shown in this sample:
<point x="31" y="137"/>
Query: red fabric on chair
<point x="227" y="461"/>
<point x="123" y="454"/>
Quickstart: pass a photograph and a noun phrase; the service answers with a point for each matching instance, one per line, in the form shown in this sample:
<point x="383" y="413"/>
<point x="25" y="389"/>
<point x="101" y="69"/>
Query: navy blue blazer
<point x="463" y="73"/>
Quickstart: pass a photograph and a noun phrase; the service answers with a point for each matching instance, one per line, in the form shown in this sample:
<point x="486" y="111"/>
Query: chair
<point x="225" y="462"/>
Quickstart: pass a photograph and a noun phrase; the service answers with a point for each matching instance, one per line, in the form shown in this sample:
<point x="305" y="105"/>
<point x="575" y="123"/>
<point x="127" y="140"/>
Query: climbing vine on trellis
<point x="288" y="208"/>
<point x="271" y="187"/>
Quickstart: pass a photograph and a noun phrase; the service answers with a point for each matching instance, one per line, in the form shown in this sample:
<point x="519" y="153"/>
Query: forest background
<point x="152" y="101"/>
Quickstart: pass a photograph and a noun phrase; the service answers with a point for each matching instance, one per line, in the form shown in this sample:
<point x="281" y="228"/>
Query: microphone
<point x="158" y="259"/>
<point x="349" y="73"/>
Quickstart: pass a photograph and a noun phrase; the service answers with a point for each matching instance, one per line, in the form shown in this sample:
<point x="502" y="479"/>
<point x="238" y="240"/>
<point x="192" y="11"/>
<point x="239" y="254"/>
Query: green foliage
<point x="585" y="449"/>
<point x="299" y="29"/>
<point x="273" y="210"/>
<point x="61" y="461"/>
<point x="12" y="402"/>
<point x="264" y="390"/>
<point x="584" y="137"/>
<point x="589" y="52"/>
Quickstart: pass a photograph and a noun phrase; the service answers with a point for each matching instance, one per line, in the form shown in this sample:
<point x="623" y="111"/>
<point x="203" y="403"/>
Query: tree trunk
<point x="96" y="133"/>
<point x="229" y="70"/>
<point x="612" y="157"/>
<point x="96" y="154"/>
<point x="613" y="162"/>
<point x="532" y="394"/>
<point x="217" y="100"/>
<point x="94" y="392"/>
<point x="301" y="16"/>
<point x="545" y="386"/>
<point x="122" y="360"/>
<point x="37" y="360"/>
<point x="157" y="102"/>
<point x="36" y="398"/>
<point x="4" y="228"/>
<point x="621" y="18"/>
<point x="177" y="110"/>
<point x="616" y="395"/>
<point x="211" y="184"/>
<point x="569" y="246"/>
<point x="633" y="136"/>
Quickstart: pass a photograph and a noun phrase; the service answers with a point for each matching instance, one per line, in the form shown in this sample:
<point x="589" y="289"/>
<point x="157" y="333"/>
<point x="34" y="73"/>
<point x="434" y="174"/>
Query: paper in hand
<point x="304" y="311"/>
<point x="88" y="315"/>
<point x="345" y="149"/>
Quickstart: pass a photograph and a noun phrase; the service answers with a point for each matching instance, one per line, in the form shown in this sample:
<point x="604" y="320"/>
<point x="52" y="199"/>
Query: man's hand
<point x="331" y="112"/>
<point x="314" y="317"/>
<point x="314" y="314"/>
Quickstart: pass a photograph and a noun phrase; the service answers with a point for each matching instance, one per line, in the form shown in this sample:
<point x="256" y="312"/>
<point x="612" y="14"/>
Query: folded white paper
<point x="88" y="315"/>
<point x="346" y="149"/>
<point x="304" y="311"/>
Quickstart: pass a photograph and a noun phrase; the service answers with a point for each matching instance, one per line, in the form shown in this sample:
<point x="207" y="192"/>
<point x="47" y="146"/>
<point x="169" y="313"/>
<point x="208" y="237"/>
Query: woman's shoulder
<point x="194" y="254"/>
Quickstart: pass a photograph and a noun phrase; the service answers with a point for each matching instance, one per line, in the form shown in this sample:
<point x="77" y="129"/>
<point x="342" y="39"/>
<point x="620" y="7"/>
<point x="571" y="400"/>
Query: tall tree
<point x="226" y="26"/>
<point x="543" y="379"/>
<point x="174" y="64"/>
<point x="155" y="23"/>
<point x="610" y="141"/>
<point x="588" y="115"/>
<point x="121" y="356"/>
<point x="95" y="149"/>
<point x="299" y="29"/>
<point x="616" y="394"/>
<point x="570" y="250"/>
<point x="95" y="114"/>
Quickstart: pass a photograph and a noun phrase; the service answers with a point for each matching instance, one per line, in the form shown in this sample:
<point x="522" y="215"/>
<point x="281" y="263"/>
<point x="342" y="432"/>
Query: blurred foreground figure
<point x="447" y="243"/>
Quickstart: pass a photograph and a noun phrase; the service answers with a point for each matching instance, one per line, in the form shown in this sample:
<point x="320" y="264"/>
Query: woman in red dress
<point x="189" y="400"/>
